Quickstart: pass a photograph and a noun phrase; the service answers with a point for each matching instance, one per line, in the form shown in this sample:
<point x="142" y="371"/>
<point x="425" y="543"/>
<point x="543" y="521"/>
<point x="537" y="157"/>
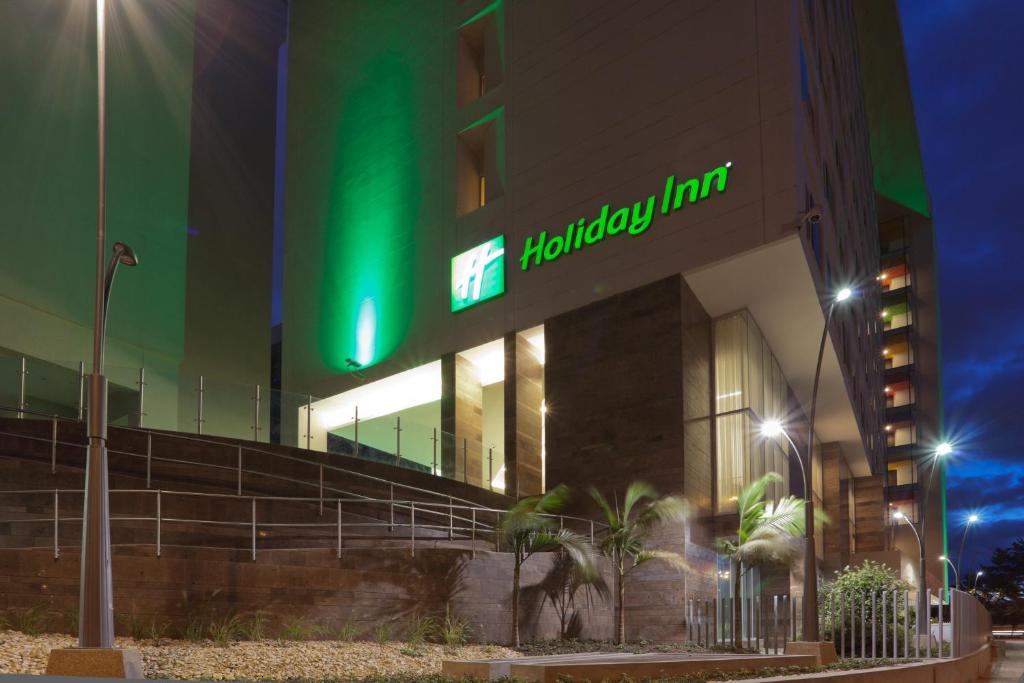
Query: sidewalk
<point x="1009" y="669"/>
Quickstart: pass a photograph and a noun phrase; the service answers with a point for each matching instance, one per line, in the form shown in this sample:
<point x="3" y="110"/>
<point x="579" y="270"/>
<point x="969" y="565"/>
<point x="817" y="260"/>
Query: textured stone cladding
<point x="627" y="389"/>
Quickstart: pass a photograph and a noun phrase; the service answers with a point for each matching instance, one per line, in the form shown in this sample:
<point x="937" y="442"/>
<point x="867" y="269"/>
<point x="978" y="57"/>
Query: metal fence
<point x="862" y="625"/>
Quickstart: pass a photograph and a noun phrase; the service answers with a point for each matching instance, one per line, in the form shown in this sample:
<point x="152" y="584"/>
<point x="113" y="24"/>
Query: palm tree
<point x="629" y="530"/>
<point x="768" y="534"/>
<point x="527" y="528"/>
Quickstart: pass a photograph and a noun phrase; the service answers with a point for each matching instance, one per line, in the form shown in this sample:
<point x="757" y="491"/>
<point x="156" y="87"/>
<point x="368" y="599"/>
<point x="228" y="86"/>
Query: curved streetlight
<point x="810" y="610"/>
<point x="941" y="450"/>
<point x="971" y="520"/>
<point x="976" y="577"/>
<point x="956" y="577"/>
<point x="96" y="607"/>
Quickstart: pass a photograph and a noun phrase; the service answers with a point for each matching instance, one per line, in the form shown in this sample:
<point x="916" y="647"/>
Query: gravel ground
<point x="268" y="660"/>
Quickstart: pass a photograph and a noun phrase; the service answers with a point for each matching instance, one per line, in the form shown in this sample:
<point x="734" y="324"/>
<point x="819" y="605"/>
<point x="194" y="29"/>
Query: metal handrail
<point x="239" y="447"/>
<point x="160" y="520"/>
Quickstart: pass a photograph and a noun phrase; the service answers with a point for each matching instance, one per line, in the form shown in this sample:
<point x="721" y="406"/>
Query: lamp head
<point x="843" y="294"/>
<point x="771" y="428"/>
<point x="942" y="557"/>
<point x="125" y="254"/>
<point x="898" y="515"/>
<point x="943" y="448"/>
<point x="972" y="519"/>
<point x="980" y="573"/>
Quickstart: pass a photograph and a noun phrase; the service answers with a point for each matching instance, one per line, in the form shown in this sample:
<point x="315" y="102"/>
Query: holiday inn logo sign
<point x="479" y="274"/>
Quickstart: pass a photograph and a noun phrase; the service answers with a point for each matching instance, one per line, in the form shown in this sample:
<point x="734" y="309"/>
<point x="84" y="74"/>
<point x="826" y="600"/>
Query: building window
<point x="480" y="64"/>
<point x="747" y="375"/>
<point x="478" y="170"/>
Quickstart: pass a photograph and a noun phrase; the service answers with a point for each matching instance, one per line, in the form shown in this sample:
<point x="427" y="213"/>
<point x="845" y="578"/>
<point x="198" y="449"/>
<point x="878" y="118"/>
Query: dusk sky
<point x="965" y="59"/>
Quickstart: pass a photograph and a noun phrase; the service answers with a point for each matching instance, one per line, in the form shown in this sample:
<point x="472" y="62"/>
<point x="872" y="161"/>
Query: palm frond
<point x="636" y="492"/>
<point x="674" y="560"/>
<point x="667" y="509"/>
<point x="754" y="493"/>
<point x="610" y="515"/>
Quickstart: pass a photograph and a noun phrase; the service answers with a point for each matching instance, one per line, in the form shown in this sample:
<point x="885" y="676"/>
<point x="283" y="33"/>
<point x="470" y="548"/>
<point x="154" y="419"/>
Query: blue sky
<point x="967" y="73"/>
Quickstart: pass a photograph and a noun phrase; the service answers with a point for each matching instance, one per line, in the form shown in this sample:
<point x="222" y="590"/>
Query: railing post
<point x="22" y="373"/>
<point x="398" y="440"/>
<point x="239" y="470"/>
<point x="906" y="624"/>
<point x="321" y="489"/>
<point x="874" y="631"/>
<point x="451" y="519"/>
<point x="434" y="439"/>
<point x="158" y="517"/>
<point x="149" y="459"/>
<point x="928" y="624"/>
<point x="885" y="626"/>
<point x="863" y="629"/>
<point x="591" y="531"/>
<point x="81" y="390"/>
<point x="465" y="460"/>
<point x="775" y="625"/>
<point x="355" y="432"/>
<point x="56" y="523"/>
<point x="339" y="528"/>
<point x="472" y="536"/>
<point x="254" y="528"/>
<point x="53" y="447"/>
<point x="391" y="508"/>
<point x="309" y="422"/>
<point x="941" y="623"/>
<point x="256" y="414"/>
<point x="142" y="397"/>
<point x="200" y="391"/>
<point x="412" y="527"/>
<point x="490" y="468"/>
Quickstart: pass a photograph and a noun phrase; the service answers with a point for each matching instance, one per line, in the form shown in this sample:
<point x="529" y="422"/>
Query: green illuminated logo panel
<point x="478" y="274"/>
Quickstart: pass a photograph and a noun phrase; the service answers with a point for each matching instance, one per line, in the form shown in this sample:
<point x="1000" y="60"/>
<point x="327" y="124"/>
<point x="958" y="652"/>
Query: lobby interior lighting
<point x="384" y="397"/>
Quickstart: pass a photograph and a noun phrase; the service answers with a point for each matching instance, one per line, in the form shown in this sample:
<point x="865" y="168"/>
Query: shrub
<point x="420" y="629"/>
<point x="300" y="629"/>
<point x="195" y="628"/>
<point x="870" y="577"/>
<point x="254" y="626"/>
<point x="347" y="632"/>
<point x="382" y="633"/>
<point x="29" y="620"/>
<point x="223" y="631"/>
<point x="454" y="631"/>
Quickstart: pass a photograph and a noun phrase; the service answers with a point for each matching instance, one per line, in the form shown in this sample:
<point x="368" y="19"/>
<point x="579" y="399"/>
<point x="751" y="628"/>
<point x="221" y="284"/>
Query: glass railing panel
<point x="123" y="406"/>
<point x="417" y="437"/>
<point x="10" y="385"/>
<point x="51" y="388"/>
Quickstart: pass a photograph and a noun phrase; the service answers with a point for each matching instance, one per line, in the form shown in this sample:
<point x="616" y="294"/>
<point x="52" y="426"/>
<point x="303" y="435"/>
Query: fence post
<point x="928" y="623"/>
<point x="149" y="459"/>
<point x="412" y="528"/>
<point x="256" y="414"/>
<point x="81" y="390"/>
<point x="941" y="624"/>
<point x="158" y="518"/>
<point x="339" y="528"/>
<point x="53" y="447"/>
<point x="22" y="372"/>
<point x="842" y="625"/>
<point x="906" y="624"/>
<point x="56" y="523"/>
<point x="239" y="469"/>
<point x="874" y="617"/>
<point x="142" y="396"/>
<point x="254" y="528"/>
<point x="398" y="440"/>
<point x="591" y="532"/>
<point x="355" y="432"/>
<point x="200" y="390"/>
<point x="309" y="422"/>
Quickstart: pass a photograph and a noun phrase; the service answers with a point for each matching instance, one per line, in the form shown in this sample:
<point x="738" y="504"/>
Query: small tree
<point x="527" y="528"/>
<point x="564" y="585"/>
<point x="1001" y="586"/>
<point x="837" y="608"/>
<point x="767" y="534"/>
<point x="629" y="531"/>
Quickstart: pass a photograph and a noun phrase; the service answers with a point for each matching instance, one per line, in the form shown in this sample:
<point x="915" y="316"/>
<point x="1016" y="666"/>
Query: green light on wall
<point x="478" y="274"/>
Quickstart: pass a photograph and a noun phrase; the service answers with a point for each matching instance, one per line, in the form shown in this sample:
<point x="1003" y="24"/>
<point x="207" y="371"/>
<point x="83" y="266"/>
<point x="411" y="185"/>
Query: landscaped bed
<point x="325" y="661"/>
<point x="274" y="660"/>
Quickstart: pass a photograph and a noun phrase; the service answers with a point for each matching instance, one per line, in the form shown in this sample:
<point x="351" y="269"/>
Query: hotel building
<point x="527" y="243"/>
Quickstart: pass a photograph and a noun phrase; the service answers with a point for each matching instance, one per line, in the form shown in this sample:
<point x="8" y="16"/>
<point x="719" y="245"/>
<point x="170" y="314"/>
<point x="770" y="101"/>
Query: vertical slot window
<point x="480" y="66"/>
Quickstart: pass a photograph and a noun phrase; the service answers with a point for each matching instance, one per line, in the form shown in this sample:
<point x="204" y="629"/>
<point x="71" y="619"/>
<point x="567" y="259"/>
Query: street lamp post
<point x="956" y="576"/>
<point x="96" y="608"/>
<point x="942" y="450"/>
<point x="972" y="519"/>
<point x="810" y="610"/>
<point x="976" y="577"/>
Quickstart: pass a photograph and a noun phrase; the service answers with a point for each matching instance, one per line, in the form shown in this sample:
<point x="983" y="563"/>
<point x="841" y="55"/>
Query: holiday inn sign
<point x="479" y="273"/>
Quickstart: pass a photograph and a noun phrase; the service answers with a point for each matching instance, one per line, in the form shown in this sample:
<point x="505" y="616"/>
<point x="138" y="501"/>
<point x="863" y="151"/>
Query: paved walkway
<point x="1009" y="669"/>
